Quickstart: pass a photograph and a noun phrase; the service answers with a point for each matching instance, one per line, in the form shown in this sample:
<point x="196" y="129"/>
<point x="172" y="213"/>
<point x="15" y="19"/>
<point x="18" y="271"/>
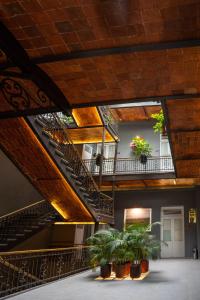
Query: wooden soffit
<point x="151" y="184"/>
<point x="132" y="114"/>
<point x="84" y="135"/>
<point x="85" y="117"/>
<point x="23" y="148"/>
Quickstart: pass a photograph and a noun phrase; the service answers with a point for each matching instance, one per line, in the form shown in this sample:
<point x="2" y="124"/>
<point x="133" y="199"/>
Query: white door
<point x="172" y="232"/>
<point x="166" y="164"/>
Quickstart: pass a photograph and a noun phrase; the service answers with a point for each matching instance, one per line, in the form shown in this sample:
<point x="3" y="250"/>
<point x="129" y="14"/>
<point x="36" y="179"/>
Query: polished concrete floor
<point x="169" y="279"/>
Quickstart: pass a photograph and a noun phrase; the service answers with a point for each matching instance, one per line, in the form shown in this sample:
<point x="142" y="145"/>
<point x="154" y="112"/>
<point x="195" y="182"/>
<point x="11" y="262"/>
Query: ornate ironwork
<point x="19" y="98"/>
<point x="26" y="269"/>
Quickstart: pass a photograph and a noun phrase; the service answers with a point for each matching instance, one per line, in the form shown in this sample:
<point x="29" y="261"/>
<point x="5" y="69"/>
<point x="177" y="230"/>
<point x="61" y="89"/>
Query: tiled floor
<point x="169" y="279"/>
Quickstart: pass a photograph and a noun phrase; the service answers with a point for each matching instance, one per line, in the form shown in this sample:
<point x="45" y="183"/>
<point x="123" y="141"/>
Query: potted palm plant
<point x="141" y="148"/>
<point x="100" y="250"/>
<point x="121" y="255"/>
<point x="144" y="246"/>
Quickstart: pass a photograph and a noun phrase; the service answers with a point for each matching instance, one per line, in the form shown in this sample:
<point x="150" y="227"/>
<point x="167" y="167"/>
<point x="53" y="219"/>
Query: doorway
<point x="172" y="232"/>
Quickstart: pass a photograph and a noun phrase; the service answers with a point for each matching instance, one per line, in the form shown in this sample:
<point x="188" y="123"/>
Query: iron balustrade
<point x="57" y="131"/>
<point x="161" y="164"/>
<point x="20" y="224"/>
<point x="22" y="270"/>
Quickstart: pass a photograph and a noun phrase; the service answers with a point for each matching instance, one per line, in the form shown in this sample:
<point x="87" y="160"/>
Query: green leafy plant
<point x="140" y="146"/>
<point x="160" y="121"/>
<point x="100" y="246"/>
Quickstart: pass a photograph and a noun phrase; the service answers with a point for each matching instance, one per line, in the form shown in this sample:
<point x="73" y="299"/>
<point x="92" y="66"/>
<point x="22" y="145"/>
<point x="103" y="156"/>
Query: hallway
<point x="169" y="279"/>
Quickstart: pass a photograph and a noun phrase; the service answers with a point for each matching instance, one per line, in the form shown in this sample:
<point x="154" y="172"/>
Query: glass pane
<point x="167" y="236"/>
<point x="178" y="230"/>
<point x="167" y="230"/>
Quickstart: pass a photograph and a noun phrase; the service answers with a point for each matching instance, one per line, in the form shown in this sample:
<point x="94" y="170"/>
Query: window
<point x="140" y="216"/>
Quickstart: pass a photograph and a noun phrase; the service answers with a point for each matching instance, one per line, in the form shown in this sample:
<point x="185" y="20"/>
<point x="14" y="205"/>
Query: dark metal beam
<point x="118" y="50"/>
<point x="167" y="125"/>
<point x="27" y="112"/>
<point x="134" y="100"/>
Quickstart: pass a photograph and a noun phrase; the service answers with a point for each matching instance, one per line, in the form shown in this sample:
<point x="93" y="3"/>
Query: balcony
<point x="161" y="167"/>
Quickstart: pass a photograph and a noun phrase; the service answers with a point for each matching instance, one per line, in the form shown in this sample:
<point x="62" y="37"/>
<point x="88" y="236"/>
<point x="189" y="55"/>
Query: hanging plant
<point x="159" y="126"/>
<point x="140" y="147"/>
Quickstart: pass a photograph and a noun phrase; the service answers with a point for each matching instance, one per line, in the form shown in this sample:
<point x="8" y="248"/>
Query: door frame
<point x="183" y="221"/>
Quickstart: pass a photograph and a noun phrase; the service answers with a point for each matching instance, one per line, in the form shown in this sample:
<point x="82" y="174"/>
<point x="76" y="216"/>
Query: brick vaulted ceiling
<point x="48" y="28"/>
<point x="63" y="38"/>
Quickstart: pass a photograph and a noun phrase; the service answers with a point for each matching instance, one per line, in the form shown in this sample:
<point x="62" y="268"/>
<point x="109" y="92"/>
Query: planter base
<point x="113" y="277"/>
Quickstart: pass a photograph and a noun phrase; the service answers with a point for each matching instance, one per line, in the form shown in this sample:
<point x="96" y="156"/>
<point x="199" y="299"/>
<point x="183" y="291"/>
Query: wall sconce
<point x="192" y="215"/>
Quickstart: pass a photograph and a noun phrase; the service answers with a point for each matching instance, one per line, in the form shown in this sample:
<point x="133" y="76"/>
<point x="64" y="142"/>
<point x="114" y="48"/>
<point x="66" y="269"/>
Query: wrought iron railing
<point x="23" y="270"/>
<point x="18" y="225"/>
<point x="109" y="119"/>
<point x="162" y="164"/>
<point x="53" y="125"/>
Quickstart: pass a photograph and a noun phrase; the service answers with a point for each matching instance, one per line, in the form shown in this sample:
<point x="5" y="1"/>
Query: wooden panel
<point x="89" y="135"/>
<point x="186" y="144"/>
<point x="131" y="114"/>
<point x="184" y="114"/>
<point x="150" y="184"/>
<point x="86" y="116"/>
<point x="22" y="146"/>
<point x="153" y="109"/>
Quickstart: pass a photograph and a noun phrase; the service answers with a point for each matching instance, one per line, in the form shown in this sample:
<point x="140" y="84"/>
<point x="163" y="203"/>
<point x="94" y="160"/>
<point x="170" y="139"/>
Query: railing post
<point x="114" y="170"/>
<point x="102" y="155"/>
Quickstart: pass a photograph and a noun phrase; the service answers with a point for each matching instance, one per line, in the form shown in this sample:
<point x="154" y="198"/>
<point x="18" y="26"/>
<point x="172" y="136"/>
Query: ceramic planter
<point x="135" y="271"/>
<point x="106" y="271"/>
<point x="144" y="265"/>
<point x="121" y="270"/>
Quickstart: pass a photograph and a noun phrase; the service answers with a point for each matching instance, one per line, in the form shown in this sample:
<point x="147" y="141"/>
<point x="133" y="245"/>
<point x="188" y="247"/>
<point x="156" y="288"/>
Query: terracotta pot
<point x="105" y="271"/>
<point x="128" y="266"/>
<point x="135" y="271"/>
<point x="121" y="270"/>
<point x="144" y="265"/>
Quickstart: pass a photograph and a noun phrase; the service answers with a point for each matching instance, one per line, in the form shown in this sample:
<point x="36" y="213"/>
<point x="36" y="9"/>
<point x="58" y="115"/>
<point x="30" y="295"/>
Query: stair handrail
<point x="22" y="209"/>
<point x="54" y="117"/>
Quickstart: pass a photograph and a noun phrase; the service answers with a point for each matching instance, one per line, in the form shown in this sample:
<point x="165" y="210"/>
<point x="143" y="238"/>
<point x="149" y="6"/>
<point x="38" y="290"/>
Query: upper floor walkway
<point x="132" y="166"/>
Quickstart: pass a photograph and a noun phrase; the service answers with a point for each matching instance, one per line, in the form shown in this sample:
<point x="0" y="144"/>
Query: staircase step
<point x="69" y="169"/>
<point x="78" y="182"/>
<point x="59" y="153"/>
<point x="34" y="226"/>
<point x="41" y="223"/>
<point x="86" y="195"/>
<point x="53" y="143"/>
<point x="11" y="239"/>
<point x="82" y="189"/>
<point x="64" y="161"/>
<point x="19" y="234"/>
<point x="3" y="245"/>
<point x="40" y="122"/>
<point x="27" y="230"/>
<point x="74" y="176"/>
<point x="48" y="134"/>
